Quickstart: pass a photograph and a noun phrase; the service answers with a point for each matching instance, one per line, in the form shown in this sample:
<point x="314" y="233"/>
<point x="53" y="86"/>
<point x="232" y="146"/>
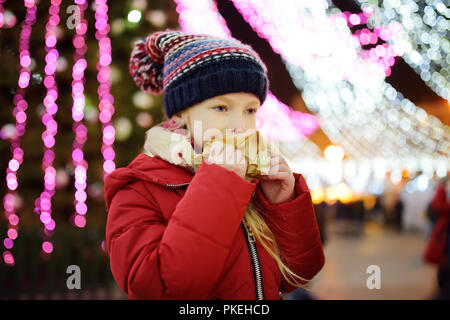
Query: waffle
<point x="254" y="148"/>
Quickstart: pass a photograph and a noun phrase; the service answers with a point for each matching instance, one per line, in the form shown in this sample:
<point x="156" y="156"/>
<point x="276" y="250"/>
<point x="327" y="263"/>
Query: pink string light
<point x="272" y="116"/>
<point x="80" y="130"/>
<point x="189" y="22"/>
<point x="106" y="100"/>
<point x="43" y="204"/>
<point x="382" y="54"/>
<point x="19" y="113"/>
<point x="2" y="10"/>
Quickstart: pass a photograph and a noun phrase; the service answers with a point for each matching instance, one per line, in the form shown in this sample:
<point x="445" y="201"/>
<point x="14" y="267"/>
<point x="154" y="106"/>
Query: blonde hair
<point x="262" y="233"/>
<point x="255" y="221"/>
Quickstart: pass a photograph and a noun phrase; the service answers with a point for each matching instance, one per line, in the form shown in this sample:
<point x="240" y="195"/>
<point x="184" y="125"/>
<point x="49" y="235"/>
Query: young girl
<point x="179" y="231"/>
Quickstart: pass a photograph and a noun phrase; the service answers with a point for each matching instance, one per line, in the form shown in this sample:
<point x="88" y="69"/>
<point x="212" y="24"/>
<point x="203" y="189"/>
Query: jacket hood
<point x="162" y="162"/>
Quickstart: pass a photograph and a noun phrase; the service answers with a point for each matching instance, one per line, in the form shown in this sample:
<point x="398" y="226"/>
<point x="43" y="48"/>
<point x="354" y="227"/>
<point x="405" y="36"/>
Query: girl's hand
<point x="228" y="157"/>
<point x="278" y="185"/>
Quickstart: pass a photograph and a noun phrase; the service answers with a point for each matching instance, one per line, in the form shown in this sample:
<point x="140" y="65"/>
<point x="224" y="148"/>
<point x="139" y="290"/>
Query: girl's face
<point x="231" y="112"/>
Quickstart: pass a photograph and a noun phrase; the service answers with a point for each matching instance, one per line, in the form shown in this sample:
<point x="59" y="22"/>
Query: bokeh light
<point x="44" y="202"/>
<point x="134" y="16"/>
<point x="21" y="105"/>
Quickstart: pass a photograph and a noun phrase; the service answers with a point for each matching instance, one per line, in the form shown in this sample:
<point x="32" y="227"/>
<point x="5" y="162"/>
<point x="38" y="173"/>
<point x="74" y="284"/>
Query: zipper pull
<point x="250" y="236"/>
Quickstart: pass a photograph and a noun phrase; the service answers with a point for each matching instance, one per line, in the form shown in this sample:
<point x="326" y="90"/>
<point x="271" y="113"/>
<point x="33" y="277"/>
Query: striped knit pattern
<point x="174" y="61"/>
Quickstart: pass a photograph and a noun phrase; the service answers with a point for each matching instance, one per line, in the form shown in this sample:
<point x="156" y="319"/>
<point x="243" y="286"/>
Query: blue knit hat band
<point x="215" y="80"/>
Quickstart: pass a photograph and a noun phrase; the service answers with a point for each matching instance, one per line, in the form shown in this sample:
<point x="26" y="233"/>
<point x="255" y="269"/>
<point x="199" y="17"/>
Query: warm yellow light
<point x="334" y="153"/>
<point x="331" y="193"/>
<point x="341" y="192"/>
<point x="317" y="195"/>
<point x="369" y="202"/>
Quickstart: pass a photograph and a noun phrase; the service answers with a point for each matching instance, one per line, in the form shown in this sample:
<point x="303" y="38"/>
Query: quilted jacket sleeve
<point x="296" y="232"/>
<point x="152" y="260"/>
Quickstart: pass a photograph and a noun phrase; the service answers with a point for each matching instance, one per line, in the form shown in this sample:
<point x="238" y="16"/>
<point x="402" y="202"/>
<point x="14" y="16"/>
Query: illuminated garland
<point x="80" y="130"/>
<point x="19" y="112"/>
<point x="382" y="54"/>
<point x="106" y="100"/>
<point x="43" y="204"/>
<point x="379" y="129"/>
<point x="352" y="110"/>
<point x="426" y="27"/>
<point x="2" y="10"/>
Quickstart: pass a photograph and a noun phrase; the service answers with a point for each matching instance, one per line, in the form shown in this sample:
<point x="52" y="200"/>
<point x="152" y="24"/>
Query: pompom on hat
<point x="190" y="68"/>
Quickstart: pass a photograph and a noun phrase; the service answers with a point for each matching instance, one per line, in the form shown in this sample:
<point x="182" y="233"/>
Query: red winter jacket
<point x="175" y="234"/>
<point x="437" y="249"/>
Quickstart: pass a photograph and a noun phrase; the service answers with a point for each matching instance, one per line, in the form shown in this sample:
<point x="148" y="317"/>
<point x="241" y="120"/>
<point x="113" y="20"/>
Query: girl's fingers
<point x="279" y="168"/>
<point x="240" y="157"/>
<point x="226" y="154"/>
<point x="216" y="148"/>
<point x="276" y="158"/>
<point x="274" y="169"/>
<point x="216" y="152"/>
<point x="277" y="176"/>
<point x="229" y="154"/>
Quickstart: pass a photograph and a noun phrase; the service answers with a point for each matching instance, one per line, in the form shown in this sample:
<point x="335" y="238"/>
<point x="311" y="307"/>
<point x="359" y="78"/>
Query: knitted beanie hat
<point x="192" y="68"/>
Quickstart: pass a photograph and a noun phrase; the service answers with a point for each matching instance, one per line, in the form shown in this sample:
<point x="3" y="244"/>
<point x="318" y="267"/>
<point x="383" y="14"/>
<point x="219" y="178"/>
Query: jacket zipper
<point x="259" y="288"/>
<point x="177" y="185"/>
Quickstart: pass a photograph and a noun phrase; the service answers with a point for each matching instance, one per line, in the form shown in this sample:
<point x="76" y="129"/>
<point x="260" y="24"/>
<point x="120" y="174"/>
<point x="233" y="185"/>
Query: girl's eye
<point x="222" y="108"/>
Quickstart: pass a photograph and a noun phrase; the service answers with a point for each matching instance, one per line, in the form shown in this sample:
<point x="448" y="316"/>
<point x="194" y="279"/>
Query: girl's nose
<point x="237" y="130"/>
<point x="236" y="125"/>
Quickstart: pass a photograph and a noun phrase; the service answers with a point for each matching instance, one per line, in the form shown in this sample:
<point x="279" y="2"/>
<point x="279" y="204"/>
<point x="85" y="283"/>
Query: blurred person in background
<point x="431" y="215"/>
<point x="377" y="214"/>
<point x="321" y="216"/>
<point x="398" y="214"/>
<point x="438" y="249"/>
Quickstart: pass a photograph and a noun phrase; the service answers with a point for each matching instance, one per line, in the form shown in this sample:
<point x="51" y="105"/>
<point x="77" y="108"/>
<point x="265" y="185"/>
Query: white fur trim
<point x="168" y="145"/>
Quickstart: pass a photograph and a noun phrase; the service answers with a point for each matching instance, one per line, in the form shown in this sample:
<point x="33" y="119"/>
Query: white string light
<point x="357" y="108"/>
<point x="426" y="28"/>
